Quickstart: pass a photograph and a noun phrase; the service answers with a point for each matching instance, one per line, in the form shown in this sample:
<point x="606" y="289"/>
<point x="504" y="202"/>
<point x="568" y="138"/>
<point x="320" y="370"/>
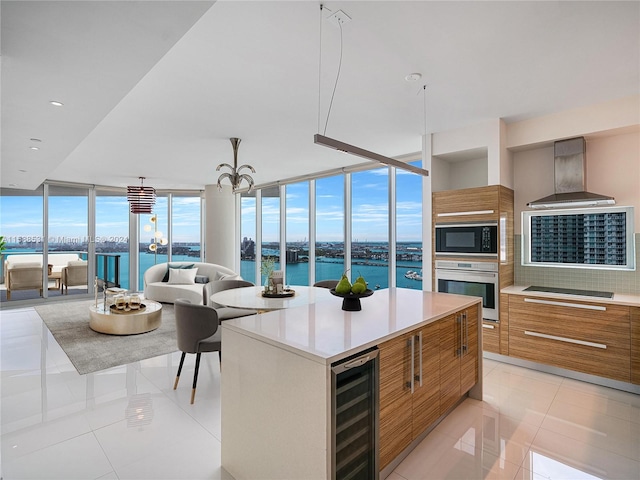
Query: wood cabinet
<point x="458" y="356"/>
<point x="409" y="389"/>
<point x="635" y="345"/>
<point x="467" y="204"/>
<point x="587" y="337"/>
<point x="493" y="203"/>
<point x="490" y="336"/>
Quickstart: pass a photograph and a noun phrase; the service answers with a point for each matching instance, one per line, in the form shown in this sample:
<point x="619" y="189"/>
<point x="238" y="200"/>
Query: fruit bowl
<point x="351" y="301"/>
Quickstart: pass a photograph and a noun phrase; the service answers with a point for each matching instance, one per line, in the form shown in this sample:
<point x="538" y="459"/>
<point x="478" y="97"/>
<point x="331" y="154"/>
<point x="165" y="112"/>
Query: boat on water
<point x="411" y="275"/>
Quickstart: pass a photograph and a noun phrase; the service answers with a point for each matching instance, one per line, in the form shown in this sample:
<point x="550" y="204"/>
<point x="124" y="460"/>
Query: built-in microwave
<point x="467" y="239"/>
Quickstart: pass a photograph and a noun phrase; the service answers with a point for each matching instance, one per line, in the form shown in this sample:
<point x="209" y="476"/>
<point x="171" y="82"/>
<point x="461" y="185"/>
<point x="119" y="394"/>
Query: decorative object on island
<point x="339" y="18"/>
<point x="141" y="198"/>
<point x="158" y="237"/>
<point x="351" y="301"/>
<point x="235" y="177"/>
<point x="266" y="270"/>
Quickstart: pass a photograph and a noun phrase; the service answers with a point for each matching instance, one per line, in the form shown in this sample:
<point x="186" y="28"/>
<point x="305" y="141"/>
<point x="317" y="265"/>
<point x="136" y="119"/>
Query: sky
<point x="21" y="216"/>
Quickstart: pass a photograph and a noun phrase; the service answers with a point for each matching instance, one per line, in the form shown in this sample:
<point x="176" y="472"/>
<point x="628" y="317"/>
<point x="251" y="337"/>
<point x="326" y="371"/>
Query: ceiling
<point x="157" y="88"/>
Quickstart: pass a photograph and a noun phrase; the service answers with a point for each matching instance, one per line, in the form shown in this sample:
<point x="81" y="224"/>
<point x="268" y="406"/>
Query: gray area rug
<point x="91" y="351"/>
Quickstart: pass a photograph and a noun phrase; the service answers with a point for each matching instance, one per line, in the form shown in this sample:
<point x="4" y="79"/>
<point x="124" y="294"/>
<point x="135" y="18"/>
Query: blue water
<point x="298" y="273"/>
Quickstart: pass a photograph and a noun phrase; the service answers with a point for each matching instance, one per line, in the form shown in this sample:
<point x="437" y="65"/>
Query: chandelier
<point x="235" y="177"/>
<point x="141" y="198"/>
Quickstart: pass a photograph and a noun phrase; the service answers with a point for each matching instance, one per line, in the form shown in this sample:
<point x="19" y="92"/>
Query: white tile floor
<point x="128" y="422"/>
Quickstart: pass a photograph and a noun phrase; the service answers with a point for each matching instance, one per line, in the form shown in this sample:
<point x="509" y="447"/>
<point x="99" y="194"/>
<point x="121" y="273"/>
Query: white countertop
<point x="618" y="298"/>
<point x="324" y="333"/>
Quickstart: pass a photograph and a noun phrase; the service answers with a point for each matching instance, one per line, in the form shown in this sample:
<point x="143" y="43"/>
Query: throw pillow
<point x="202" y="279"/>
<point x="182" y="276"/>
<point x="175" y="265"/>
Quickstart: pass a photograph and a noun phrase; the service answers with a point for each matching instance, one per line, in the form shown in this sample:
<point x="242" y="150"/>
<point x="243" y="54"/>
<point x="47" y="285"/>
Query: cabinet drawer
<point x="491" y="337"/>
<point x="582" y="336"/>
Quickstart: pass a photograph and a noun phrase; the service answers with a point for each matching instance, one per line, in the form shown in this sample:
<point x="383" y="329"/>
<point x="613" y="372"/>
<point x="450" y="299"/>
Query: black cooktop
<point x="570" y="291"/>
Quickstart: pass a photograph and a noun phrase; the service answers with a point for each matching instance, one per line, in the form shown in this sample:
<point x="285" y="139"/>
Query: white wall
<point x="220" y="244"/>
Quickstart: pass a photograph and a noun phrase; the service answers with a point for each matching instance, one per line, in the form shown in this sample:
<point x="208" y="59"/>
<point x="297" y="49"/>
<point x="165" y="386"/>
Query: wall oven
<point x="478" y="279"/>
<point x="467" y="239"/>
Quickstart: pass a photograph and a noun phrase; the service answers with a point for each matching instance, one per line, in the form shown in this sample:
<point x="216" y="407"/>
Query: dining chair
<point x="197" y="332"/>
<point x="224" y="312"/>
<point x="326" y="283"/>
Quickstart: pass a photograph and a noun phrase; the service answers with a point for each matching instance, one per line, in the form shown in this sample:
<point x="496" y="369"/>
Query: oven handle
<point x="467" y="273"/>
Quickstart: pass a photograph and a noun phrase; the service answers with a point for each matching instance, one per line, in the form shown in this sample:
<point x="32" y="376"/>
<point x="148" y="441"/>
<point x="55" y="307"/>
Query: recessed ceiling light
<point x="34" y="148"/>
<point x="35" y="139"/>
<point x="56" y="103"/>
<point x="413" y="77"/>
<point x="22" y="170"/>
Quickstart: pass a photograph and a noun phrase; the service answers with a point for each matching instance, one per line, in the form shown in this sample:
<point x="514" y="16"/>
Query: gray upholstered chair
<point x="224" y="312"/>
<point x="197" y="332"/>
<point x="326" y="283"/>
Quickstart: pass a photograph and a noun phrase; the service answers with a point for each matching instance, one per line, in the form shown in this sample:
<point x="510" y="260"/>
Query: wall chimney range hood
<point x="570" y="179"/>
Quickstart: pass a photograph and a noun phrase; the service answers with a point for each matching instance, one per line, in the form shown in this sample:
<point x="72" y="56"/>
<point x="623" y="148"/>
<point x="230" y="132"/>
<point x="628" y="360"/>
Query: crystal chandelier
<point x="235" y="177"/>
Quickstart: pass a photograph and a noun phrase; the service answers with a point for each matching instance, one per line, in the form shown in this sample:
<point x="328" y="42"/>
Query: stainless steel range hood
<point x="570" y="179"/>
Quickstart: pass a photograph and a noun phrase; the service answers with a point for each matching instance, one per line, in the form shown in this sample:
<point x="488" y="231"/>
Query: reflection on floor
<point x="128" y="423"/>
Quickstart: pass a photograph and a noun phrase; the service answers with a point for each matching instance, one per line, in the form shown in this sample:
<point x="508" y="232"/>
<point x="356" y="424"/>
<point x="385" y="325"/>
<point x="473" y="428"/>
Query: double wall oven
<point x="478" y="276"/>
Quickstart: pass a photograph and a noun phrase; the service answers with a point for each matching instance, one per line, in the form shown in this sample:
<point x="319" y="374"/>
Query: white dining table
<point x="251" y="298"/>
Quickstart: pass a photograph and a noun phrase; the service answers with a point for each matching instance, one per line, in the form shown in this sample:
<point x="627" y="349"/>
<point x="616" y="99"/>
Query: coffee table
<point x="129" y="323"/>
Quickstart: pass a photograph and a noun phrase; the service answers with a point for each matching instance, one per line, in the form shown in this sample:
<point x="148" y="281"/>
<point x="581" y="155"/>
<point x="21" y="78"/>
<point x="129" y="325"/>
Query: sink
<point x="569" y="291"/>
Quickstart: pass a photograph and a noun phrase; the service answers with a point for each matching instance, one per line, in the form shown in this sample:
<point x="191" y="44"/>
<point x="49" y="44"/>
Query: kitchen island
<point x="276" y="387"/>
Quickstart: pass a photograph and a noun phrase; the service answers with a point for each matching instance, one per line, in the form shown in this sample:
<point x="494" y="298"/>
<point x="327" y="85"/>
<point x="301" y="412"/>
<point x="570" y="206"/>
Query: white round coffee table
<point x="128" y="323"/>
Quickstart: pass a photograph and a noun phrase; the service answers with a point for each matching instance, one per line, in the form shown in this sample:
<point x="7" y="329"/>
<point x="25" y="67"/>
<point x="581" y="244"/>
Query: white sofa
<point x="163" y="291"/>
<point x="24" y="272"/>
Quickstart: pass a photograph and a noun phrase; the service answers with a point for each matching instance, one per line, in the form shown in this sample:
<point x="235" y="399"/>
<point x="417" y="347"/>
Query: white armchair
<point x="24" y="276"/>
<point x="74" y="274"/>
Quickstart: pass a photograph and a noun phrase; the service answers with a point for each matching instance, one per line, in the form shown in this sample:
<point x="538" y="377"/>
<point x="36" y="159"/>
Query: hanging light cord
<point x="424" y="89"/>
<point x="320" y="67"/>
<point x="337" y="78"/>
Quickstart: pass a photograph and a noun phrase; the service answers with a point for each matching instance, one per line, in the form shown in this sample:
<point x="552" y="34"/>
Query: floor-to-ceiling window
<point x="68" y="232"/>
<point x="112" y="237"/>
<point x="409" y="228"/>
<point x="271" y="227"/>
<point x="329" y="228"/>
<point x="185" y="227"/>
<point x="21" y="213"/>
<point x="370" y="227"/>
<point x="248" y="236"/>
<point x="153" y="235"/>
<point x="297" y="228"/>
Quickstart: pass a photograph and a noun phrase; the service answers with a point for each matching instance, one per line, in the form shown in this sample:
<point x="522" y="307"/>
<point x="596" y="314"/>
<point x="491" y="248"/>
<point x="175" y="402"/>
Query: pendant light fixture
<point x="339" y="18"/>
<point x="235" y="177"/>
<point x="141" y="199"/>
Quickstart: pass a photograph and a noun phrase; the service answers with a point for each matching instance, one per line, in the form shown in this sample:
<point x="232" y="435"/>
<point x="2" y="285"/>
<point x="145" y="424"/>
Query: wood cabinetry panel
<point x="395" y="399"/>
<point x="466" y="200"/>
<point x="469" y="361"/>
<point x="635" y="345"/>
<point x="606" y="332"/>
<point x="491" y="336"/>
<point x="449" y="362"/>
<point x="504" y="324"/>
<point x="426" y="400"/>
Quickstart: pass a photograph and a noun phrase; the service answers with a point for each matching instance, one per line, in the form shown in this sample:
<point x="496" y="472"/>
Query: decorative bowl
<point x="351" y="301"/>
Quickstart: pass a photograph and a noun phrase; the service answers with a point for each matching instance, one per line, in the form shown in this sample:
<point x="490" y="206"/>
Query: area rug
<point x="91" y="351"/>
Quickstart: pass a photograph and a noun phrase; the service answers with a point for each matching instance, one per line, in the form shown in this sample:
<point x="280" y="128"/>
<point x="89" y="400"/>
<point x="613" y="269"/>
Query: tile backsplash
<point x="579" y="278"/>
